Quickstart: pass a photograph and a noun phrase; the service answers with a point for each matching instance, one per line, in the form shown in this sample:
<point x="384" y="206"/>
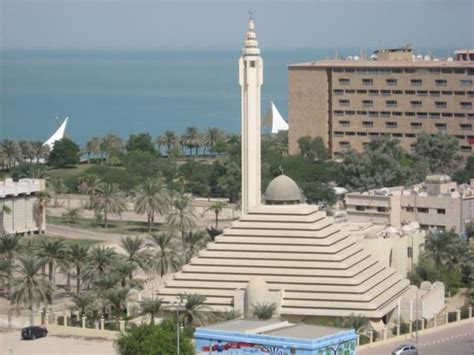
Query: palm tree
<point x="151" y="198"/>
<point x="51" y="250"/>
<point x="194" y="241"/>
<point x="9" y="248"/>
<point x="151" y="306"/>
<point x="109" y="199"/>
<point x="442" y="248"/>
<point x="212" y="136"/>
<point x="165" y="259"/>
<point x="89" y="185"/>
<point x="30" y="288"/>
<point x="264" y="310"/>
<point x="92" y="147"/>
<point x="115" y="301"/>
<point x="72" y="215"/>
<point x="12" y="152"/>
<point x="169" y="139"/>
<point x="134" y="248"/>
<point x="101" y="258"/>
<point x="195" y="311"/>
<point x="84" y="302"/>
<point x="217" y="207"/>
<point x="40" y="150"/>
<point x="42" y="198"/>
<point x="78" y="254"/>
<point x="26" y="150"/>
<point x="358" y="323"/>
<point x="191" y="139"/>
<point x="56" y="187"/>
<point x="4" y="209"/>
<point x="182" y="215"/>
<point x="111" y="144"/>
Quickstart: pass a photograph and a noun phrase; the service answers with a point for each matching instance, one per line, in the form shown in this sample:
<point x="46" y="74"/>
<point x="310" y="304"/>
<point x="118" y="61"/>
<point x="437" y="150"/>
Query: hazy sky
<point x="221" y="24"/>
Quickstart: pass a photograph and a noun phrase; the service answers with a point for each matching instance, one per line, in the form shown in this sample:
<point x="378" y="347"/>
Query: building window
<point x="422" y="93"/>
<point x="435" y="115"/>
<point x="350" y="134"/>
<point x="447" y="114"/>
<point x="441" y="126"/>
<point x="397" y="70"/>
<point x="410" y="114"/>
<point x="410" y="70"/>
<point x="466" y="104"/>
<point x="391" y="124"/>
<point x="367" y="103"/>
<point x="373" y="93"/>
<point x="338" y="70"/>
<point x="360" y="208"/>
<point x="373" y="114"/>
<point x="435" y="93"/>
<point x="441" y="82"/>
<point x="385" y="92"/>
<point x="367" y="124"/>
<point x="344" y="81"/>
<point x="382" y="209"/>
<point x="416" y="125"/>
<point x="410" y="135"/>
<point x="465" y="82"/>
<point x="470" y="115"/>
<point x="338" y="113"/>
<point x="441" y="211"/>
<point x="391" y="103"/>
<point x="460" y="93"/>
<point x="422" y="114"/>
<point x="465" y="126"/>
<point x="344" y="144"/>
<point x="374" y="134"/>
<point x="422" y="210"/>
<point x="460" y="115"/>
<point x="344" y="123"/>
<point x="367" y="82"/>
<point x="415" y="103"/>
<point x="397" y="92"/>
<point x="447" y="93"/>
<point x="397" y="113"/>
<point x="362" y="91"/>
<point x="416" y="82"/>
<point x="338" y="92"/>
<point x="362" y="113"/>
<point x="397" y="135"/>
<point x="466" y="148"/>
<point x="350" y="91"/>
<point x="385" y="114"/>
<point x="470" y="93"/>
<point x="391" y="82"/>
<point x="350" y="113"/>
<point x="435" y="71"/>
<point x="338" y="134"/>
<point x="362" y="134"/>
<point x="349" y="70"/>
<point x="440" y="104"/>
<point x="410" y="209"/>
<point x="410" y="92"/>
<point x="344" y="102"/>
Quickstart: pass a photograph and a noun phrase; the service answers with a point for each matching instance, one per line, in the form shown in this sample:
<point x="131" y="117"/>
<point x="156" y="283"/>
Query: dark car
<point x="405" y="349"/>
<point x="33" y="332"/>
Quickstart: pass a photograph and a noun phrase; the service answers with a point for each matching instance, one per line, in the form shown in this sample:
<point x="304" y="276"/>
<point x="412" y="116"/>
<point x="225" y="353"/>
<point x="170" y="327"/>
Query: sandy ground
<point x="10" y="344"/>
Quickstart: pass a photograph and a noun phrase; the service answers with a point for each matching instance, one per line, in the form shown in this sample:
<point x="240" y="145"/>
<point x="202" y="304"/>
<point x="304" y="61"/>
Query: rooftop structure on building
<point x="437" y="203"/>
<point x="394" y="92"/>
<point x="23" y="213"/>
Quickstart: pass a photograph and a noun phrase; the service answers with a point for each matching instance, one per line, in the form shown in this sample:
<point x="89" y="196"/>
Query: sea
<point x="132" y="91"/>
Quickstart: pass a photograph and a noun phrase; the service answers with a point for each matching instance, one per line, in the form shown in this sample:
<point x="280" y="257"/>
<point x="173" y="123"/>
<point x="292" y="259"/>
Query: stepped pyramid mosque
<point x="283" y="251"/>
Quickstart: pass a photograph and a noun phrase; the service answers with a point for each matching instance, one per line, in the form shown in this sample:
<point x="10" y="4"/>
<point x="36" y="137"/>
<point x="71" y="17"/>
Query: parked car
<point x="33" y="332"/>
<point x="405" y="349"/>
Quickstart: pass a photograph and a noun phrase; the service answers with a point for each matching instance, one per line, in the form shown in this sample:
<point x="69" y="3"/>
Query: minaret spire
<point x="251" y="80"/>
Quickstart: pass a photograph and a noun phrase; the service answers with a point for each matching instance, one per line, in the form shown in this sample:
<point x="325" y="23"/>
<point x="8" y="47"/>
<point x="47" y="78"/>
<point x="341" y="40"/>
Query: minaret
<point x="250" y="79"/>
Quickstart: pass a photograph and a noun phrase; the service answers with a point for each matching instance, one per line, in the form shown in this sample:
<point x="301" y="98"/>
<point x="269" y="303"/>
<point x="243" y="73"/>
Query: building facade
<point x="348" y="101"/>
<point x="438" y="203"/>
<point x="20" y="208"/>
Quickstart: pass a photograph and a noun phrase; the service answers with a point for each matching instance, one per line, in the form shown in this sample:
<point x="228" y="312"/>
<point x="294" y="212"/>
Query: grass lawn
<point x="115" y="227"/>
<point x="64" y="173"/>
<point x="36" y="238"/>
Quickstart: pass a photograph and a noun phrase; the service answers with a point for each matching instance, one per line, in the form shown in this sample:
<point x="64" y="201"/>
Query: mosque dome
<point x="282" y="190"/>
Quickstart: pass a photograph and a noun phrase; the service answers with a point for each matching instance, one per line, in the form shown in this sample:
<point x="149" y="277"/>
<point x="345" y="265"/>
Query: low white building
<point x="23" y="212"/>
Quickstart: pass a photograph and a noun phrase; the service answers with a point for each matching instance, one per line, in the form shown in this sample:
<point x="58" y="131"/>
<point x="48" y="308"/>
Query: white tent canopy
<point x="274" y="120"/>
<point x="58" y="135"/>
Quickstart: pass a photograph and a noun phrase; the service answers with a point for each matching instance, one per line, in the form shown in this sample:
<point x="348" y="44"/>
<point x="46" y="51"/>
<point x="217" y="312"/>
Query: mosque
<point x="283" y="251"/>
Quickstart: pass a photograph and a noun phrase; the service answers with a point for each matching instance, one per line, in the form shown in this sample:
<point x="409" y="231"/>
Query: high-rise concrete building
<point x="348" y="101"/>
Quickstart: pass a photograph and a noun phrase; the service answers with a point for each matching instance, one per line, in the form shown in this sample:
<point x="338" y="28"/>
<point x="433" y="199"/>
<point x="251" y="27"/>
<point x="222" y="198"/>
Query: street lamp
<point x="177" y="304"/>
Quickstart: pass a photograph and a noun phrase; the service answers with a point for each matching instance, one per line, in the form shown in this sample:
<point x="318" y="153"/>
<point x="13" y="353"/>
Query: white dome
<point x="282" y="189"/>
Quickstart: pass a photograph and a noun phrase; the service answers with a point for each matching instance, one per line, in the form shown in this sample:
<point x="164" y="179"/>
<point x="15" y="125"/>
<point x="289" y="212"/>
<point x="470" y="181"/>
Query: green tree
<point x="65" y="152"/>
<point x="89" y="185"/>
<point x="469" y="231"/>
<point x="92" y="147"/>
<point x="194" y="312"/>
<point x="191" y="139"/>
<point x="12" y="151"/>
<point x="56" y="187"/>
<point x="153" y="340"/>
<point x="440" y="151"/>
<point x="9" y="250"/>
<point x="151" y="198"/>
<point x="217" y="208"/>
<point x="313" y="148"/>
<point x="170" y="140"/>
<point x="51" y="250"/>
<point x="84" y="302"/>
<point x="109" y="200"/>
<point x="152" y="307"/>
<point x="140" y="142"/>
<point x="264" y="311"/>
<point x="28" y="171"/>
<point x="101" y="259"/>
<point x="212" y="136"/>
<point x="135" y="253"/>
<point x="182" y="215"/>
<point x="356" y="322"/>
<point x="165" y="259"/>
<point x="115" y="302"/>
<point x="30" y="288"/>
<point x="72" y="215"/>
<point x="194" y="241"/>
<point x="319" y="192"/>
<point x="78" y="254"/>
<point x="110" y="145"/>
<point x="41" y="150"/>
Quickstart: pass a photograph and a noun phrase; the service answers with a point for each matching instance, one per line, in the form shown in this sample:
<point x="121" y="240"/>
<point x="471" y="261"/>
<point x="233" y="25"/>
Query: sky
<point x="197" y="24"/>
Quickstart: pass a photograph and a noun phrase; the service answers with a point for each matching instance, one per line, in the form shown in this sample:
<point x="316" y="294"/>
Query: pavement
<point x="11" y="344"/>
<point x="457" y="340"/>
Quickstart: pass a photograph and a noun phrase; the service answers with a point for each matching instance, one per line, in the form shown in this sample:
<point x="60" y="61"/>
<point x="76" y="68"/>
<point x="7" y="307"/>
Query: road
<point x="457" y="340"/>
<point x="10" y="344"/>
